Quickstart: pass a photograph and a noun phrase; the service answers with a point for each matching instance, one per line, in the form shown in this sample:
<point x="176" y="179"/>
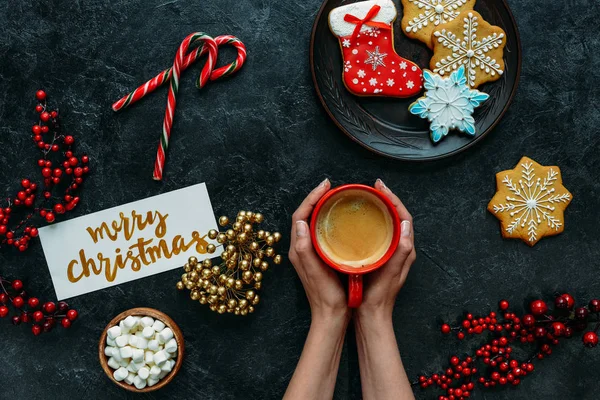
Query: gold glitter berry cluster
<point x="231" y="286"/>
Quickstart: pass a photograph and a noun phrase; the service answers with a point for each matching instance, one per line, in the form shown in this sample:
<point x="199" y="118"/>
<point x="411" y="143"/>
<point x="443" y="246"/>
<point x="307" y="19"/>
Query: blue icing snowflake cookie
<point x="448" y="103"/>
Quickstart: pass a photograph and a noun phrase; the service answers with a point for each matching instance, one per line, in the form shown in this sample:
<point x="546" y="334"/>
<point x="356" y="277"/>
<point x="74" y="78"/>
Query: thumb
<point x="303" y="246"/>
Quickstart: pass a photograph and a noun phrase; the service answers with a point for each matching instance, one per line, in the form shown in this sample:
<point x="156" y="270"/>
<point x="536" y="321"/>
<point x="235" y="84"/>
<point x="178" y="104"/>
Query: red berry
<point x="590" y="339"/>
<point x="49" y="307"/>
<point x="48" y="325"/>
<point x="36" y="330"/>
<point x="45" y="129"/>
<point x="558" y="329"/>
<point x="33" y="302"/>
<point x="18" y="302"/>
<point x="528" y="320"/>
<point x="85" y="159"/>
<point x="3" y="311"/>
<point x="62" y="307"/>
<point x="46" y="172"/>
<point x="69" y="140"/>
<point x="446" y="329"/>
<point x="460" y="336"/>
<point x="570" y="301"/>
<point x="538" y="308"/>
<point x="466" y="324"/>
<point x="38" y="316"/>
<point x="72" y="315"/>
<point x="50" y="217"/>
<point x="504" y="305"/>
<point x="45" y="116"/>
<point x="594" y="305"/>
<point x="39" y="108"/>
<point x="16" y="320"/>
<point x="73" y="161"/>
<point x="54" y="147"/>
<point x="561" y="303"/>
<point x="59" y="209"/>
<point x="40" y="95"/>
<point x="3" y="298"/>
<point x="34" y="232"/>
<point x="540" y="332"/>
<point x="66" y="323"/>
<point x="581" y="313"/>
<point x="36" y="129"/>
<point x="17" y="285"/>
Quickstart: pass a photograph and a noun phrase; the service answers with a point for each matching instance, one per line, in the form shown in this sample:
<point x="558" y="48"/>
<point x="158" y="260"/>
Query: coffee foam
<point x="354" y="228"/>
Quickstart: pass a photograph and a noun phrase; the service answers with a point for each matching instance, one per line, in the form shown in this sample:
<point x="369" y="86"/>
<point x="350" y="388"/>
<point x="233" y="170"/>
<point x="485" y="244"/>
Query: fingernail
<point x="301" y="229"/>
<point x="405" y="229"/>
<point x="381" y="183"/>
<point x="322" y="185"/>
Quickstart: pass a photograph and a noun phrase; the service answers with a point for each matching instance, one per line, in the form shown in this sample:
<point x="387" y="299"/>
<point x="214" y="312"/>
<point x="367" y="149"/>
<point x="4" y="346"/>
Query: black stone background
<point x="261" y="141"/>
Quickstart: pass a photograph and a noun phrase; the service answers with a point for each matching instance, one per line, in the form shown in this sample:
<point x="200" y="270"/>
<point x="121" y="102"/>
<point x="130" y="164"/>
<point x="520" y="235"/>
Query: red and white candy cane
<point x="182" y="61"/>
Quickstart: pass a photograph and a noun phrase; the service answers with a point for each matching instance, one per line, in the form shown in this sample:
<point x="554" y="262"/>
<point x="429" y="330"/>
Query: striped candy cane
<point x="192" y="39"/>
<point x="182" y="61"/>
<point x="165" y="75"/>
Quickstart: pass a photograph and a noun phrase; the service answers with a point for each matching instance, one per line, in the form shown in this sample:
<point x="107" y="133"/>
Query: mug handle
<point x="355" y="290"/>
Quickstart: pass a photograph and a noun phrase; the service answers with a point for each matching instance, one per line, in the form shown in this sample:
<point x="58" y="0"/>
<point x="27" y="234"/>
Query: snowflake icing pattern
<point x="434" y="11"/>
<point x="375" y="58"/>
<point x="469" y="51"/>
<point x="448" y="103"/>
<point x="533" y="202"/>
<point x="374" y="32"/>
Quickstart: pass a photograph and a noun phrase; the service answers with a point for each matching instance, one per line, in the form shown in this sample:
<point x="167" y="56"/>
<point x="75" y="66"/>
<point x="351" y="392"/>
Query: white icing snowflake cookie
<point x="530" y="201"/>
<point x="448" y="104"/>
<point x="421" y="17"/>
<point x="470" y="41"/>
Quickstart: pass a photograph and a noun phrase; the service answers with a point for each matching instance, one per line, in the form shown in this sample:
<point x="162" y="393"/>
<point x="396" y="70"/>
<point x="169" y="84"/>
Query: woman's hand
<point x="323" y="287"/>
<point x="382" y="286"/>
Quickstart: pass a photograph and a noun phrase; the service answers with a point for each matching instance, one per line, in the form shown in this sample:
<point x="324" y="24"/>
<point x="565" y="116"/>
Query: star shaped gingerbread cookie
<point x="530" y="201"/>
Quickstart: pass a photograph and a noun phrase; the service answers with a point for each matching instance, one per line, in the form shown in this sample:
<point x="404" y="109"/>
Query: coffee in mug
<point x="354" y="228"/>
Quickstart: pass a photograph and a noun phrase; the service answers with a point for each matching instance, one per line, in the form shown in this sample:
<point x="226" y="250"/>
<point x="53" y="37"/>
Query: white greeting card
<point x="128" y="242"/>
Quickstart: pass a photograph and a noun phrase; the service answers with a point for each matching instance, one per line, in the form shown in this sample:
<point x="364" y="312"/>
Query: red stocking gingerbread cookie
<point x="371" y="65"/>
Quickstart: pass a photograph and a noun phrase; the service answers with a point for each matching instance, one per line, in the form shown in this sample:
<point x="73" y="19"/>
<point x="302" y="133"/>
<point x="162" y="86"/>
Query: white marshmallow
<point x="132" y="340"/>
<point x="142" y="343"/>
<point x="152" y="381"/>
<point x="123" y="340"/>
<point x="149" y="357"/>
<point x="144" y="373"/>
<point x="110" y="342"/>
<point x="171" y="346"/>
<point x="124" y="328"/>
<point x="160" y="358"/>
<point x="147" y="321"/>
<point x="114" y="364"/>
<point x="114" y="333"/>
<point x="167" y="366"/>
<point x="126" y="352"/>
<point x="130" y="378"/>
<point x="124" y="362"/>
<point x="139" y="382"/>
<point x="130" y="322"/>
<point x="139" y="334"/>
<point x="158" y="326"/>
<point x="155" y="371"/>
<point x="165" y="335"/>
<point x="108" y="351"/>
<point x="163" y="374"/>
<point x="135" y="367"/>
<point x="117" y="355"/>
<point x="120" y="374"/>
<point x="153" y="345"/>
<point x="148" y="332"/>
<point x="137" y="355"/>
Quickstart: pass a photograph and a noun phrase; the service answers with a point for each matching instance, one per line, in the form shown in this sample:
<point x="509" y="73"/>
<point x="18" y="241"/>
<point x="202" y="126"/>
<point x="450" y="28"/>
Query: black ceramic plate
<point x="384" y="125"/>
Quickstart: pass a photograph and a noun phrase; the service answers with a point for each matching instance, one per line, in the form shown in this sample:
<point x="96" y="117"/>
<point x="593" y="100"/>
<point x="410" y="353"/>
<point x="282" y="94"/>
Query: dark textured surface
<point x="261" y="141"/>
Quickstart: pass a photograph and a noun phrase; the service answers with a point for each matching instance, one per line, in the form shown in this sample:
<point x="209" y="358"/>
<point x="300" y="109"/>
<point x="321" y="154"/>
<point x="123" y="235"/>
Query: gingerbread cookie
<point x="530" y="201"/>
<point x="448" y="104"/>
<point x="421" y="17"/>
<point x="371" y="66"/>
<point x="470" y="41"/>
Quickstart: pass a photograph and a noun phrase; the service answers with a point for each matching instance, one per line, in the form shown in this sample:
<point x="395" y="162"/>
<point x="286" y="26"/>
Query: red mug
<point x="355" y="280"/>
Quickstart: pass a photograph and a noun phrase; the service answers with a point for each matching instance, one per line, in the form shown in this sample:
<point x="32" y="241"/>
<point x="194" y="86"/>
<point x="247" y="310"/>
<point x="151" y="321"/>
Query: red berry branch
<point x="62" y="172"/>
<point x="43" y="317"/>
<point x="494" y="363"/>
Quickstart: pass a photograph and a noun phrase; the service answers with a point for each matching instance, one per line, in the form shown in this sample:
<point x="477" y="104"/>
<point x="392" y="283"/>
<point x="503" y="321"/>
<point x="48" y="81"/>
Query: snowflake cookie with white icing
<point x="421" y="17"/>
<point x="371" y="66"/>
<point x="448" y="104"/>
<point x="530" y="201"/>
<point x="473" y="43"/>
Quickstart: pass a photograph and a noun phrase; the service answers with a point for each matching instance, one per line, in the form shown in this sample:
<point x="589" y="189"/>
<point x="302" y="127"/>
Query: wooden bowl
<point x="143" y="312"/>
